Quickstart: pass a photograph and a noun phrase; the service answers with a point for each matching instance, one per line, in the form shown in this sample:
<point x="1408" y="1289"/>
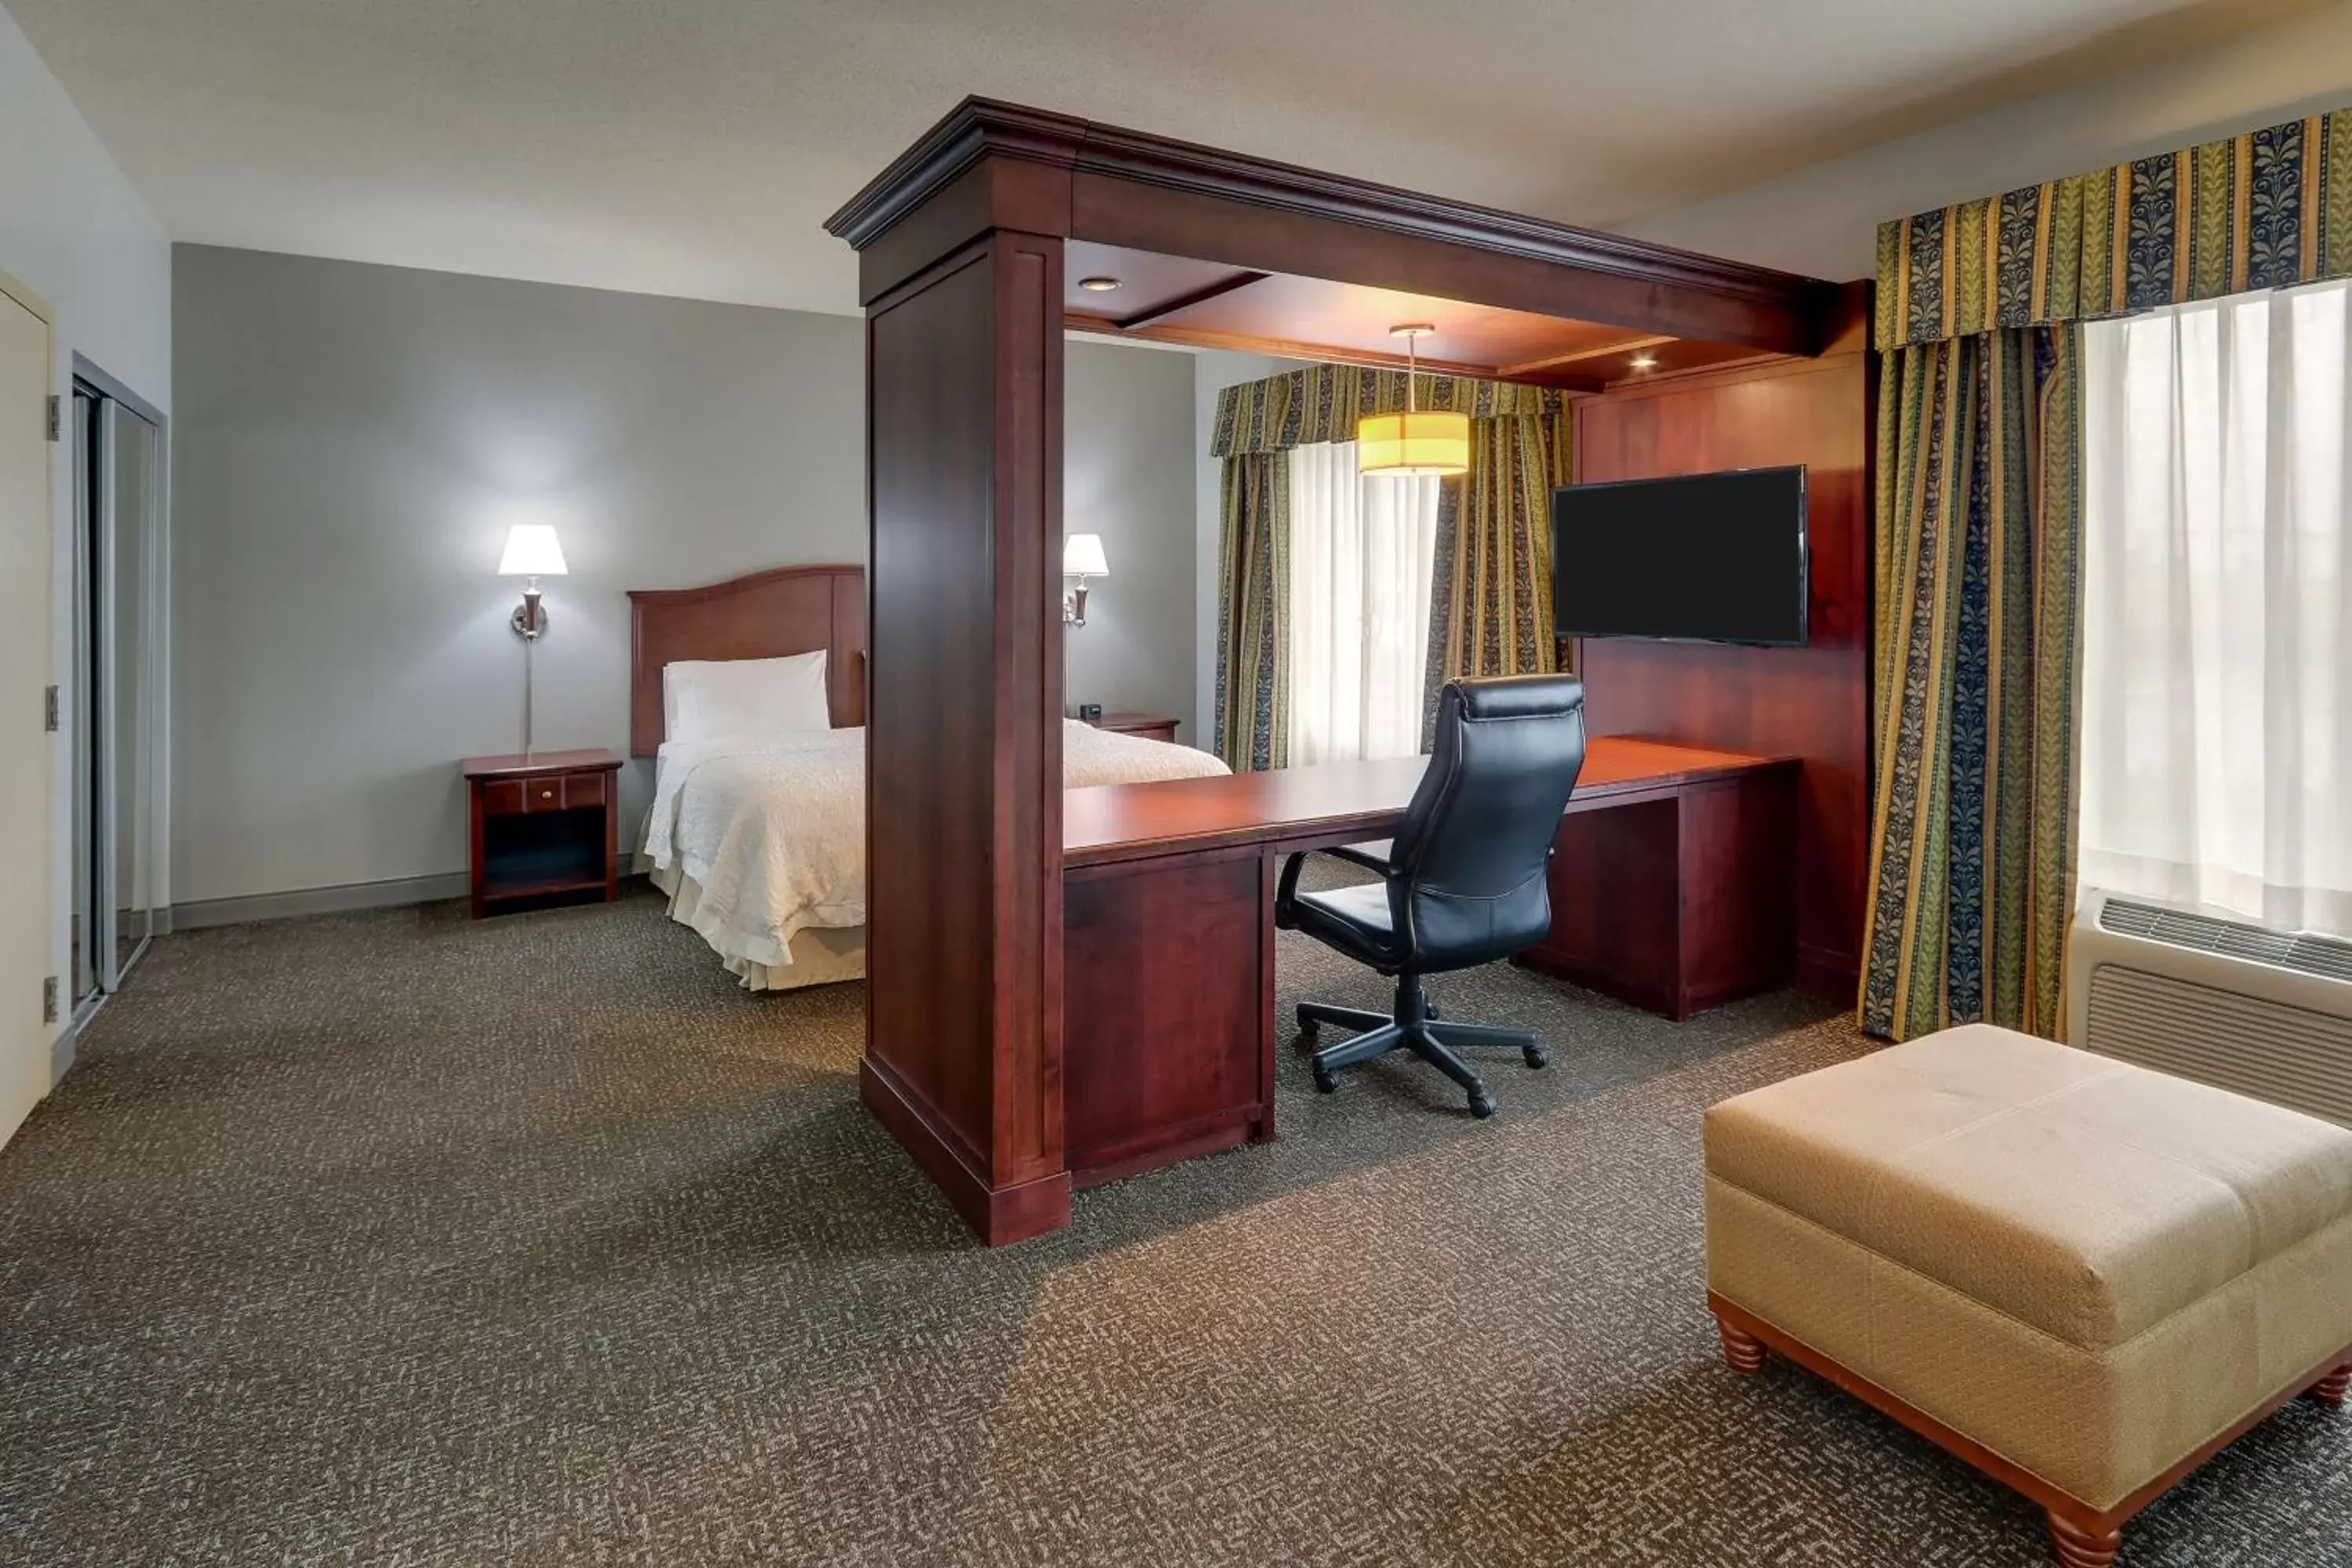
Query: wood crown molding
<point x="982" y="127"/>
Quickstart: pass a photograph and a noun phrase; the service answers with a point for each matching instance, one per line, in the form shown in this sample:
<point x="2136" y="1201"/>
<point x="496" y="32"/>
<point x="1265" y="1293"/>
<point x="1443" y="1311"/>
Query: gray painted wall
<point x="352" y="443"/>
<point x="1126" y="474"/>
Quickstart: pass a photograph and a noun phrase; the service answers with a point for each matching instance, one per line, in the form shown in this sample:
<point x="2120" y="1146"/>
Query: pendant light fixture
<point x="1416" y="440"/>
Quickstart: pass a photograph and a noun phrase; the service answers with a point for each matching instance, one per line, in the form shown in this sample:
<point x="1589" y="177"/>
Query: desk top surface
<point x="1336" y="803"/>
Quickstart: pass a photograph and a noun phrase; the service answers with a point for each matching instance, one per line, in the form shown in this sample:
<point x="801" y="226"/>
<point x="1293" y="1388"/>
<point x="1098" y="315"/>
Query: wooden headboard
<point x="791" y="609"/>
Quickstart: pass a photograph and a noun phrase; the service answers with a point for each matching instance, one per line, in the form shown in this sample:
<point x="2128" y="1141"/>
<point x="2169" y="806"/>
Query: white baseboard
<point x="203" y="912"/>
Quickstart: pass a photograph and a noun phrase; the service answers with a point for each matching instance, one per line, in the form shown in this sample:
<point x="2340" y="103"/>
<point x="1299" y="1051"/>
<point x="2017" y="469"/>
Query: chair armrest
<point x="1357" y="855"/>
<point x="1287" y="888"/>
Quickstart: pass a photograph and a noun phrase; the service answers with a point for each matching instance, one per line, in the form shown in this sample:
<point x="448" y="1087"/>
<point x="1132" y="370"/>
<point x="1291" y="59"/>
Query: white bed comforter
<point x="771" y="829"/>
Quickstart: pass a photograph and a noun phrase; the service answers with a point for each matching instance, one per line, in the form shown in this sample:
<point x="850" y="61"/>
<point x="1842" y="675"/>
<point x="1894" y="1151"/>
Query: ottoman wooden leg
<point x="2077" y="1548"/>
<point x="2330" y="1390"/>
<point x="1743" y="1349"/>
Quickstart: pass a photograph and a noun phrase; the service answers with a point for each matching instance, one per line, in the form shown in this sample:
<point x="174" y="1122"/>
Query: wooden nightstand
<point x="1150" y="726"/>
<point x="546" y="826"/>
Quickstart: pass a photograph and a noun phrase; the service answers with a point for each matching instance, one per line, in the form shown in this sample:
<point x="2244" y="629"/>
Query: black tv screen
<point x="1705" y="558"/>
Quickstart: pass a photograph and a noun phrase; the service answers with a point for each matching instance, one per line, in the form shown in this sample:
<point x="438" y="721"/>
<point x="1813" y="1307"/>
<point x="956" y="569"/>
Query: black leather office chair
<point x="1463" y="882"/>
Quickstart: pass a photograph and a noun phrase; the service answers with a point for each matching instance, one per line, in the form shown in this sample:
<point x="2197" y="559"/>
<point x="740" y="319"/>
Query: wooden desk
<point x="1671" y="888"/>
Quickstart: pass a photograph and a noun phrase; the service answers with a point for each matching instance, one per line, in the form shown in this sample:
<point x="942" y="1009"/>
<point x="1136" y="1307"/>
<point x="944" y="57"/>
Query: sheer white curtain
<point x="1362" y="552"/>
<point x="2217" y="658"/>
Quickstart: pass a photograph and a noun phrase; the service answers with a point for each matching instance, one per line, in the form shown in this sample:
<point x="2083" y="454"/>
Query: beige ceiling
<point x="692" y="147"/>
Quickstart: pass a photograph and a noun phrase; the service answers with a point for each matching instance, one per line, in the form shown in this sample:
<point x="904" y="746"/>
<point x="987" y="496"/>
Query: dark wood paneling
<point x="1002" y="164"/>
<point x="1679" y="901"/>
<point x="1811" y="702"/>
<point x="1239" y="232"/>
<point x="1739" y="889"/>
<point x="1616" y="908"/>
<point x="963" y="833"/>
<point x="766" y="614"/>
<point x="1167" y="982"/>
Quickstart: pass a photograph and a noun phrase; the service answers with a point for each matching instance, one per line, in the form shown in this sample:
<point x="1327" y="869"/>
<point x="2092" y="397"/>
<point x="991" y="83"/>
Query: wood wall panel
<point x="1811" y="702"/>
<point x="1169" y="997"/>
<point x="963" y="844"/>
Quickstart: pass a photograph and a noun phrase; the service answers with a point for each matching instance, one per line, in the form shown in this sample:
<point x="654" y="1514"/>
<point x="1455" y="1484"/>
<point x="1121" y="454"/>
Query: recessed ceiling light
<point x="1098" y="285"/>
<point x="1644" y="362"/>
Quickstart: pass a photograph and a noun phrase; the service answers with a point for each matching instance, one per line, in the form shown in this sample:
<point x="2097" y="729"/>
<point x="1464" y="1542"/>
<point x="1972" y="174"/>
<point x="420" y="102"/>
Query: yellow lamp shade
<point x="1425" y="441"/>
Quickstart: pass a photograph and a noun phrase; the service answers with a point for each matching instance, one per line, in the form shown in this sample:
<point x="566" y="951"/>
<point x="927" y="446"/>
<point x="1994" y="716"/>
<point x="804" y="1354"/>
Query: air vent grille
<point x="2288" y="1056"/>
<point x="2304" y="953"/>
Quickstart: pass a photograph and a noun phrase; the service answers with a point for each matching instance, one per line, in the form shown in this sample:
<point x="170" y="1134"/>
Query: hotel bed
<point x="749" y="694"/>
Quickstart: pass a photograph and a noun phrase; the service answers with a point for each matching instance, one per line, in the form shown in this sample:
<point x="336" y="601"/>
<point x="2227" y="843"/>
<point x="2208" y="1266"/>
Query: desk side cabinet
<point x="545" y="828"/>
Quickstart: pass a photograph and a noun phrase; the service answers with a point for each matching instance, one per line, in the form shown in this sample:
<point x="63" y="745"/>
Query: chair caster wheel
<point x="1482" y="1104"/>
<point x="1428" y="1010"/>
<point x="1326" y="1083"/>
<point x="1536" y="1056"/>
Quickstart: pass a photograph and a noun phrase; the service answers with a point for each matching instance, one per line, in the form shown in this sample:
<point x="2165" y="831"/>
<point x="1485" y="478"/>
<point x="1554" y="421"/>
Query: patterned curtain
<point x="2264" y="210"/>
<point x="1490" y="606"/>
<point x="1252" y="599"/>
<point x="1323" y="403"/>
<point x="1490" y="610"/>
<point x="1979" y="595"/>
<point x="1979" y="529"/>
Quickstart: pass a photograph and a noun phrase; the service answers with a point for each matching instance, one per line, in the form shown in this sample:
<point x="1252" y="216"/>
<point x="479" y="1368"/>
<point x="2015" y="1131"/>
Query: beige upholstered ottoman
<point x="2079" y="1276"/>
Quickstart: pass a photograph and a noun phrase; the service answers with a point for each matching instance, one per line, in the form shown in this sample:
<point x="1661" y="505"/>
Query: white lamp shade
<point x="1082" y="556"/>
<point x="532" y="551"/>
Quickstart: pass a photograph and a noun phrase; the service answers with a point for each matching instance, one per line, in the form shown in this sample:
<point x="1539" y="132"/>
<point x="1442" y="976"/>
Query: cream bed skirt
<point x="821" y="956"/>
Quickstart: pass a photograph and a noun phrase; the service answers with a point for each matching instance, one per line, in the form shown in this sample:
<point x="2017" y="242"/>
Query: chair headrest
<point x="1519" y="696"/>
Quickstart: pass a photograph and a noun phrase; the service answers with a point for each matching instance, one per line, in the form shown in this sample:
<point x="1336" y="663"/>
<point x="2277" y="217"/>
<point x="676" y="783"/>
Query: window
<point x="1361" y="553"/>
<point x="2217" y="656"/>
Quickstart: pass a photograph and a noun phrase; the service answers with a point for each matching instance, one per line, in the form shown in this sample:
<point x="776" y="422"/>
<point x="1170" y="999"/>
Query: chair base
<point x="1416" y="1028"/>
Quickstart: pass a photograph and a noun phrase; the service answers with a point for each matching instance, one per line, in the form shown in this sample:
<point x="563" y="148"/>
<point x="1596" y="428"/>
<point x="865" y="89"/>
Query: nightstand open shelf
<point x="545" y="828"/>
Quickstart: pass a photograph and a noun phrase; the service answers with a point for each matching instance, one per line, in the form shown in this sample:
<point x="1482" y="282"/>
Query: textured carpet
<point x="395" y="1238"/>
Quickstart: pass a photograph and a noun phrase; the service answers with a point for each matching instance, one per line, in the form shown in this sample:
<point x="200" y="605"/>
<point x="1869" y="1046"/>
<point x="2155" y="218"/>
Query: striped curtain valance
<point x="1323" y="402"/>
<point x="2264" y="210"/>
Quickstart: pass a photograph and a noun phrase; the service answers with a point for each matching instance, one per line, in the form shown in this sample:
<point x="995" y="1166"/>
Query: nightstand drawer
<point x="552" y="792"/>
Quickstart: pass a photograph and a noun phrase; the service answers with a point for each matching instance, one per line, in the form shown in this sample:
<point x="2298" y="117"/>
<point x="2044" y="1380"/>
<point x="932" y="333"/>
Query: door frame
<point x="59" y="1038"/>
<point x="111" y="963"/>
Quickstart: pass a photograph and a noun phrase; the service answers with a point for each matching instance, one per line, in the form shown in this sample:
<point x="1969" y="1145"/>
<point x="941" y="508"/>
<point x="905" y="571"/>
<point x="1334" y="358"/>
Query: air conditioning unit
<point x="2261" y="1013"/>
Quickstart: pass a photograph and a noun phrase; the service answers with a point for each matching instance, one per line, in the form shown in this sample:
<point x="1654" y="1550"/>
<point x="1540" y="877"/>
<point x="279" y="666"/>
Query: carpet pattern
<point x="397" y="1238"/>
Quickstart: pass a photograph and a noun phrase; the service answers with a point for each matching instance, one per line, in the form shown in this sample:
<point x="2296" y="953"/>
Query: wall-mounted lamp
<point x="531" y="552"/>
<point x="1082" y="557"/>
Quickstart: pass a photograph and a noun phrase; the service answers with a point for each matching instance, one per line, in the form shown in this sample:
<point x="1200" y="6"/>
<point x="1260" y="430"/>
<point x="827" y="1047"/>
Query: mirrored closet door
<point x="116" y="693"/>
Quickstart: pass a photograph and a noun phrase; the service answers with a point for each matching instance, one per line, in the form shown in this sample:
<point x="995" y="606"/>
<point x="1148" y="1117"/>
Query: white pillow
<point x="703" y="698"/>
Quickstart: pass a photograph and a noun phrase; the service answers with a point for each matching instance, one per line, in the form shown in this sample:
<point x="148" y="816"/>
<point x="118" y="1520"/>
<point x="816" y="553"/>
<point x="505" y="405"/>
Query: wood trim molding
<point x="1791" y="313"/>
<point x="1201" y="296"/>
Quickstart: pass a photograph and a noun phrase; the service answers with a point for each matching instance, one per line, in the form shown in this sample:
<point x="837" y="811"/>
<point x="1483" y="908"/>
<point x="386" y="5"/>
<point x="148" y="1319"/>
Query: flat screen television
<point x="1701" y="558"/>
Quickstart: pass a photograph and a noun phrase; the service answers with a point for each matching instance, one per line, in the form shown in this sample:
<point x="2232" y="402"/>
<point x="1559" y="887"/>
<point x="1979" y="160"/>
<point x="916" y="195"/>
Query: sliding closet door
<point x="116" y="689"/>
<point x="130" y="626"/>
<point x="26" y="838"/>
<point x="83" y="959"/>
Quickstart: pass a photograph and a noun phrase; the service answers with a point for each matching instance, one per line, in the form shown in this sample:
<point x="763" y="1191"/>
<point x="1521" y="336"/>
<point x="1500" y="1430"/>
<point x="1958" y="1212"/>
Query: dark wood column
<point x="963" y="1034"/>
<point x="960" y="248"/>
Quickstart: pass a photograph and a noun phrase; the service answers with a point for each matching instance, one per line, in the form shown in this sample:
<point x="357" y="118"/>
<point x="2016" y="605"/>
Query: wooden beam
<point x="1323" y="353"/>
<point x="1149" y="193"/>
<point x="1576" y="356"/>
<point x="1201" y="296"/>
